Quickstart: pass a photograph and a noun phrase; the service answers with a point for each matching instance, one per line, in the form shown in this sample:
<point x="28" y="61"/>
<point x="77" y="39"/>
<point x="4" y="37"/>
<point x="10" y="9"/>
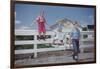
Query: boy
<point x="75" y="36"/>
<point x="59" y="37"/>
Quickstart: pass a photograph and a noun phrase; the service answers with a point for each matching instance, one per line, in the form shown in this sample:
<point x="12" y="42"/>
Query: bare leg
<point x="54" y="41"/>
<point x="39" y="35"/>
<point x="61" y="42"/>
<point x="44" y="35"/>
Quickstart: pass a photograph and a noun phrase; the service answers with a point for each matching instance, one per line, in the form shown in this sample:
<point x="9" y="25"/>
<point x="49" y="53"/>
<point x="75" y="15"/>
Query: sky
<point x="26" y="13"/>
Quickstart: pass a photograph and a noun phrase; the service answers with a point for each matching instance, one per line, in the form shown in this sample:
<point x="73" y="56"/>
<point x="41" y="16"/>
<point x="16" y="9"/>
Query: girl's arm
<point x="33" y="22"/>
<point x="48" y="25"/>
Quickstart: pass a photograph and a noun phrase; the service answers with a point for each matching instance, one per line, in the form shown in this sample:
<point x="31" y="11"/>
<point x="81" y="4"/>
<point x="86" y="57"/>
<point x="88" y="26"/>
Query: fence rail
<point x="50" y="40"/>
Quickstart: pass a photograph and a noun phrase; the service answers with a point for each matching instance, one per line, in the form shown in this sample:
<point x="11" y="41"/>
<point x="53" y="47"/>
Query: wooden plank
<point x="37" y="50"/>
<point x="33" y="42"/>
<point x="45" y="49"/>
<point x="31" y="32"/>
<point x="25" y="51"/>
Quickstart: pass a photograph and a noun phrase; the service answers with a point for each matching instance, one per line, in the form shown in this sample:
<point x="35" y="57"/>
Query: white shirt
<point x="59" y="35"/>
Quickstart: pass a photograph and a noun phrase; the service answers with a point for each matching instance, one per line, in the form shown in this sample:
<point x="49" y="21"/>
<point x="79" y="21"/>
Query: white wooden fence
<point x="50" y="40"/>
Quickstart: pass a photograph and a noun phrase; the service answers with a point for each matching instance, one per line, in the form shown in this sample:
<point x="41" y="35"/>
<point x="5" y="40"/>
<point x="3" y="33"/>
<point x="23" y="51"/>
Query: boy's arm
<point x="79" y="34"/>
<point x="71" y="35"/>
<point x="70" y="38"/>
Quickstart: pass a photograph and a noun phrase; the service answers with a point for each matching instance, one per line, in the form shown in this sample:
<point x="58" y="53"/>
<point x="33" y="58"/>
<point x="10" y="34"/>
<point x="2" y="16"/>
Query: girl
<point x="41" y="25"/>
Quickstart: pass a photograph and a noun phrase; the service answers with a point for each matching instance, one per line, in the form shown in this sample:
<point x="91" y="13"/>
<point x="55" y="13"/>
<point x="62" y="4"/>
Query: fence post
<point x="35" y="53"/>
<point x="35" y="46"/>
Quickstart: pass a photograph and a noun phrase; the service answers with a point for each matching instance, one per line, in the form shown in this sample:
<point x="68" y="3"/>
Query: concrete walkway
<point x="83" y="57"/>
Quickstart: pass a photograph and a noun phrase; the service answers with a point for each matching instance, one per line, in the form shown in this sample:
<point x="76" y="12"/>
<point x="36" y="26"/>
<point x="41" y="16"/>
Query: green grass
<point x="19" y="47"/>
<point x="44" y="46"/>
<point x="24" y="37"/>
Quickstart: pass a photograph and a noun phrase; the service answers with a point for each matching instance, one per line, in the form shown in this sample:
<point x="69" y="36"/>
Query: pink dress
<point x="41" y="24"/>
